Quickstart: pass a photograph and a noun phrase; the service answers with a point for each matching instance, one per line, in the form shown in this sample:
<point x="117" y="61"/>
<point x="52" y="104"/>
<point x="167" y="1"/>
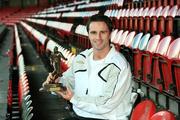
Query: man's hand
<point x="67" y="95"/>
<point x="50" y="79"/>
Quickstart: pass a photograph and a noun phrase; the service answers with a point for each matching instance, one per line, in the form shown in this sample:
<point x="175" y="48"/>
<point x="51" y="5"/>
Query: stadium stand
<point x="147" y="32"/>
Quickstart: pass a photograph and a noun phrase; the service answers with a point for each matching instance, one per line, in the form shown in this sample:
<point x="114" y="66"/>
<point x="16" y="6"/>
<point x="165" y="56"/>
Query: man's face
<point x="99" y="35"/>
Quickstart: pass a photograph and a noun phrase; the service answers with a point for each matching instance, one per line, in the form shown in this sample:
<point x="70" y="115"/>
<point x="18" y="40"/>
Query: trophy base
<point x="53" y="87"/>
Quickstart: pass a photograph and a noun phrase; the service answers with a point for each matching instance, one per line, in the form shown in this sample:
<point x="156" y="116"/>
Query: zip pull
<point x="87" y="91"/>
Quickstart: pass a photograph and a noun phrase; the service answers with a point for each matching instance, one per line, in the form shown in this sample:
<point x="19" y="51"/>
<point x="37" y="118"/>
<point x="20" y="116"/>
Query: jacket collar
<point x="108" y="58"/>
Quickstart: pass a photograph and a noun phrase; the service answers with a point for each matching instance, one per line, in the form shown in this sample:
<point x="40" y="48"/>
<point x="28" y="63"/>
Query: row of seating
<point x="65" y="29"/>
<point x="150" y="3"/>
<point x="150" y="55"/>
<point x="10" y="16"/>
<point x="48" y="44"/>
<point x="24" y="97"/>
<point x="154" y="20"/>
<point x="80" y="5"/>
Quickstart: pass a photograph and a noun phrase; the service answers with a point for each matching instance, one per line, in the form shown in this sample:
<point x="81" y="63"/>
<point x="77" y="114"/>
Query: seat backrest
<point x="113" y="34"/>
<point x="165" y="11"/>
<point x="163" y="115"/>
<point x="135" y="12"/>
<point x="145" y="12"/>
<point x="129" y="39"/>
<point x="144" y="110"/>
<point x="136" y="40"/>
<point x="131" y="12"/>
<point x="119" y="14"/>
<point x="118" y="36"/>
<point x="163" y="45"/>
<point x="123" y="37"/>
<point x="178" y="12"/>
<point x="151" y="12"/>
<point x="173" y="11"/>
<point x="153" y="43"/>
<point x="144" y="41"/>
<point x="174" y="49"/>
<point x="127" y="13"/>
<point x="140" y="11"/>
<point x="123" y="12"/>
<point x="158" y="11"/>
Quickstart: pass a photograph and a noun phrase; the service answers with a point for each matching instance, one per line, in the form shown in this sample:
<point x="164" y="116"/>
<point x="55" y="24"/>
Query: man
<point x="99" y="80"/>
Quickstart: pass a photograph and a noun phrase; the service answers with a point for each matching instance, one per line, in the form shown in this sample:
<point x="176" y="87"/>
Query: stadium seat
<point x="131" y="16"/>
<point x="141" y="24"/>
<point x="129" y="39"/>
<point x="135" y="44"/>
<point x="166" y="62"/>
<point x="136" y="40"/>
<point x="169" y="23"/>
<point x="163" y="115"/>
<point x="144" y="110"/>
<point x="113" y="35"/>
<point x="135" y="20"/>
<point x="161" y="20"/>
<point x="138" y="14"/>
<point x="117" y="37"/>
<point x="162" y="49"/>
<point x="125" y="20"/>
<point x="117" y="20"/>
<point x="121" y="25"/>
<point x="123" y="37"/>
<point x="147" y="56"/>
<point x="137" y="56"/>
<point x="153" y="21"/>
<point x="147" y="19"/>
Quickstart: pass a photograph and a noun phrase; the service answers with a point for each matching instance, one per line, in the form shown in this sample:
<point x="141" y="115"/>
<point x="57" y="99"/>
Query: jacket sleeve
<point x="67" y="78"/>
<point x="118" y="86"/>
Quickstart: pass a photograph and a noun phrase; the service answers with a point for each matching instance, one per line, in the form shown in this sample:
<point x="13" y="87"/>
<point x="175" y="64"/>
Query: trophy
<point x="55" y="61"/>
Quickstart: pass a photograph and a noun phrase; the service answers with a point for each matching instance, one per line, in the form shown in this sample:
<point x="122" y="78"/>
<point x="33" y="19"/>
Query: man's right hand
<point x="50" y="79"/>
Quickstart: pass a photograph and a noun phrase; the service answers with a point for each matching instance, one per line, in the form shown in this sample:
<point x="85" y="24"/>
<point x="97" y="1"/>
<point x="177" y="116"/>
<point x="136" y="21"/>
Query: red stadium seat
<point x="125" y="19"/>
<point x="161" y="20"/>
<point x="129" y="39"/>
<point x="147" y="19"/>
<point x="123" y="37"/>
<point x="113" y="35"/>
<point x="135" y="44"/>
<point x="141" y="24"/>
<point x="169" y="20"/>
<point x="144" y="110"/>
<point x="117" y="37"/>
<point x="147" y="56"/>
<point x="166" y="62"/>
<point x="162" y="49"/>
<point x="121" y="25"/>
<point x="131" y="14"/>
<point x="163" y="115"/>
<point x="137" y="56"/>
<point x="153" y="22"/>
<point x="135" y="20"/>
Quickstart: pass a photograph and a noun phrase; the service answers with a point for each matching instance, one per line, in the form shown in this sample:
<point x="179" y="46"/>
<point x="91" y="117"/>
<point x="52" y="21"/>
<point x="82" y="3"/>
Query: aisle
<point x="46" y="106"/>
<point x="4" y="71"/>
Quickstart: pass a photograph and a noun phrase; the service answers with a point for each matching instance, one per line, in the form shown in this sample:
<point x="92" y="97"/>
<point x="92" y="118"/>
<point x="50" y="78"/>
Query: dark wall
<point x="25" y="3"/>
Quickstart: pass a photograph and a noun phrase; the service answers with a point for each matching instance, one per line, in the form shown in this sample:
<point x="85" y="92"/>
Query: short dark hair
<point x="100" y="17"/>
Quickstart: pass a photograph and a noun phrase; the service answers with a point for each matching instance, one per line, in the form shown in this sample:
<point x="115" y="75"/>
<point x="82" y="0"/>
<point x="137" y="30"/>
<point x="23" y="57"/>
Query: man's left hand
<point x="67" y="95"/>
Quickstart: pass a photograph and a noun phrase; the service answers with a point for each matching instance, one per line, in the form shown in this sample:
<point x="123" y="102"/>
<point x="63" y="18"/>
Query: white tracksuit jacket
<point x="106" y="93"/>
